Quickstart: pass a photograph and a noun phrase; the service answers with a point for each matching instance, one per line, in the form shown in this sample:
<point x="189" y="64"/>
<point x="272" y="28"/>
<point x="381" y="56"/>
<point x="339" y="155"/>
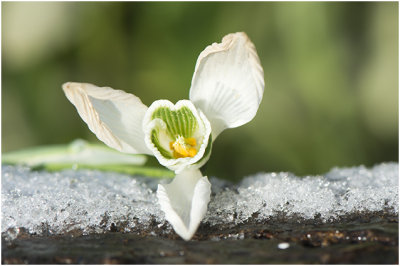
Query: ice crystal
<point x="94" y="201"/>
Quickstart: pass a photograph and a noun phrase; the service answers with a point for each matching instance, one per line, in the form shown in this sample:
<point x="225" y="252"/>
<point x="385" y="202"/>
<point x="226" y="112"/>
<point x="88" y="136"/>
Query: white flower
<point x="227" y="88"/>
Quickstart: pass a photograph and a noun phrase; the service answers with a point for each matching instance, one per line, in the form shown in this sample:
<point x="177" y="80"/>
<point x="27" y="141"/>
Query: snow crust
<point x="340" y="192"/>
<point x="94" y="201"/>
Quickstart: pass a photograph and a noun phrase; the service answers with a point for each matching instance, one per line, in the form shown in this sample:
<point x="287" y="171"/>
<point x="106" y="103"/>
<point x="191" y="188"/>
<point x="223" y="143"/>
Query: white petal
<point x="228" y="82"/>
<point x="184" y="201"/>
<point x="113" y="115"/>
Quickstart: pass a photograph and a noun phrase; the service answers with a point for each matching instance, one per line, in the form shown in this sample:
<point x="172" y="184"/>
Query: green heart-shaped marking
<point x="181" y="122"/>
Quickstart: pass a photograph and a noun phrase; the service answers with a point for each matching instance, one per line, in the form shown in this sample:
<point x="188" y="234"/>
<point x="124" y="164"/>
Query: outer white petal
<point x="184" y="201"/>
<point x="113" y="115"/>
<point x="228" y="82"/>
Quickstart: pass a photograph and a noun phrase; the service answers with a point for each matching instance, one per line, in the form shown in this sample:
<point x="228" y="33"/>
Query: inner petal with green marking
<point x="179" y="133"/>
<point x="180" y="127"/>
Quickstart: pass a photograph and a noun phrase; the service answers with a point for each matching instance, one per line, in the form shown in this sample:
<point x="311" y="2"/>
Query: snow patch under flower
<point x="92" y="201"/>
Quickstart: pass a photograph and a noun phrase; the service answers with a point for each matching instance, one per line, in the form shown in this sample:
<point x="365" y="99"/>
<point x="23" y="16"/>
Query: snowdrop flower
<point x="227" y="88"/>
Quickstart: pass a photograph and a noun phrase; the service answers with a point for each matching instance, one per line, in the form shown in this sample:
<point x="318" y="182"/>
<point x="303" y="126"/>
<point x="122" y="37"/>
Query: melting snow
<point x="92" y="201"/>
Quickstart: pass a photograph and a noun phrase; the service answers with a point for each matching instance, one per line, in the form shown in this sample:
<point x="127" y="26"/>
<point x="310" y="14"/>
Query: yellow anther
<point x="183" y="147"/>
<point x="191" y="141"/>
<point x="192" y="152"/>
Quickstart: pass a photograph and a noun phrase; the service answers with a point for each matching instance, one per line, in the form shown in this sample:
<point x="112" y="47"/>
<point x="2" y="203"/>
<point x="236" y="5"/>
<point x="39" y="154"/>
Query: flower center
<point x="178" y="135"/>
<point x="183" y="147"/>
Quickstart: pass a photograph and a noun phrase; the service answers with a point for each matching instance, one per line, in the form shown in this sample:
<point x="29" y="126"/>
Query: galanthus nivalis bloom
<point x="227" y="88"/>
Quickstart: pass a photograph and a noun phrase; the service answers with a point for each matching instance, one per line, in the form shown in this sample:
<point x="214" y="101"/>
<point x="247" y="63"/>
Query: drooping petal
<point x="113" y="115"/>
<point x="165" y="122"/>
<point x="184" y="201"/>
<point x="228" y="82"/>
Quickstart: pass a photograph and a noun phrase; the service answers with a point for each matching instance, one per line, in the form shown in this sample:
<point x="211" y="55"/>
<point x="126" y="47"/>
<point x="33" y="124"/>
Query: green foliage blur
<point x="331" y="72"/>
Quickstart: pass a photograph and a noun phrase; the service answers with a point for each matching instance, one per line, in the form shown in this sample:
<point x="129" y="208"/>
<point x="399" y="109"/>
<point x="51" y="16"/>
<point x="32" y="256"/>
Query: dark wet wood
<point x="364" y="239"/>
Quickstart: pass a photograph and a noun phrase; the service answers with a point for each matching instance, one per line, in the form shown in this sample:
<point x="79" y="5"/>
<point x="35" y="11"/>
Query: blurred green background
<point x="331" y="72"/>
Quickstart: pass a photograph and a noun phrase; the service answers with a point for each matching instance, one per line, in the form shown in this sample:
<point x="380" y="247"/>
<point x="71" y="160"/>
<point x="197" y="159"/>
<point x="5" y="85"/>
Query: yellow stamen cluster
<point x="183" y="147"/>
